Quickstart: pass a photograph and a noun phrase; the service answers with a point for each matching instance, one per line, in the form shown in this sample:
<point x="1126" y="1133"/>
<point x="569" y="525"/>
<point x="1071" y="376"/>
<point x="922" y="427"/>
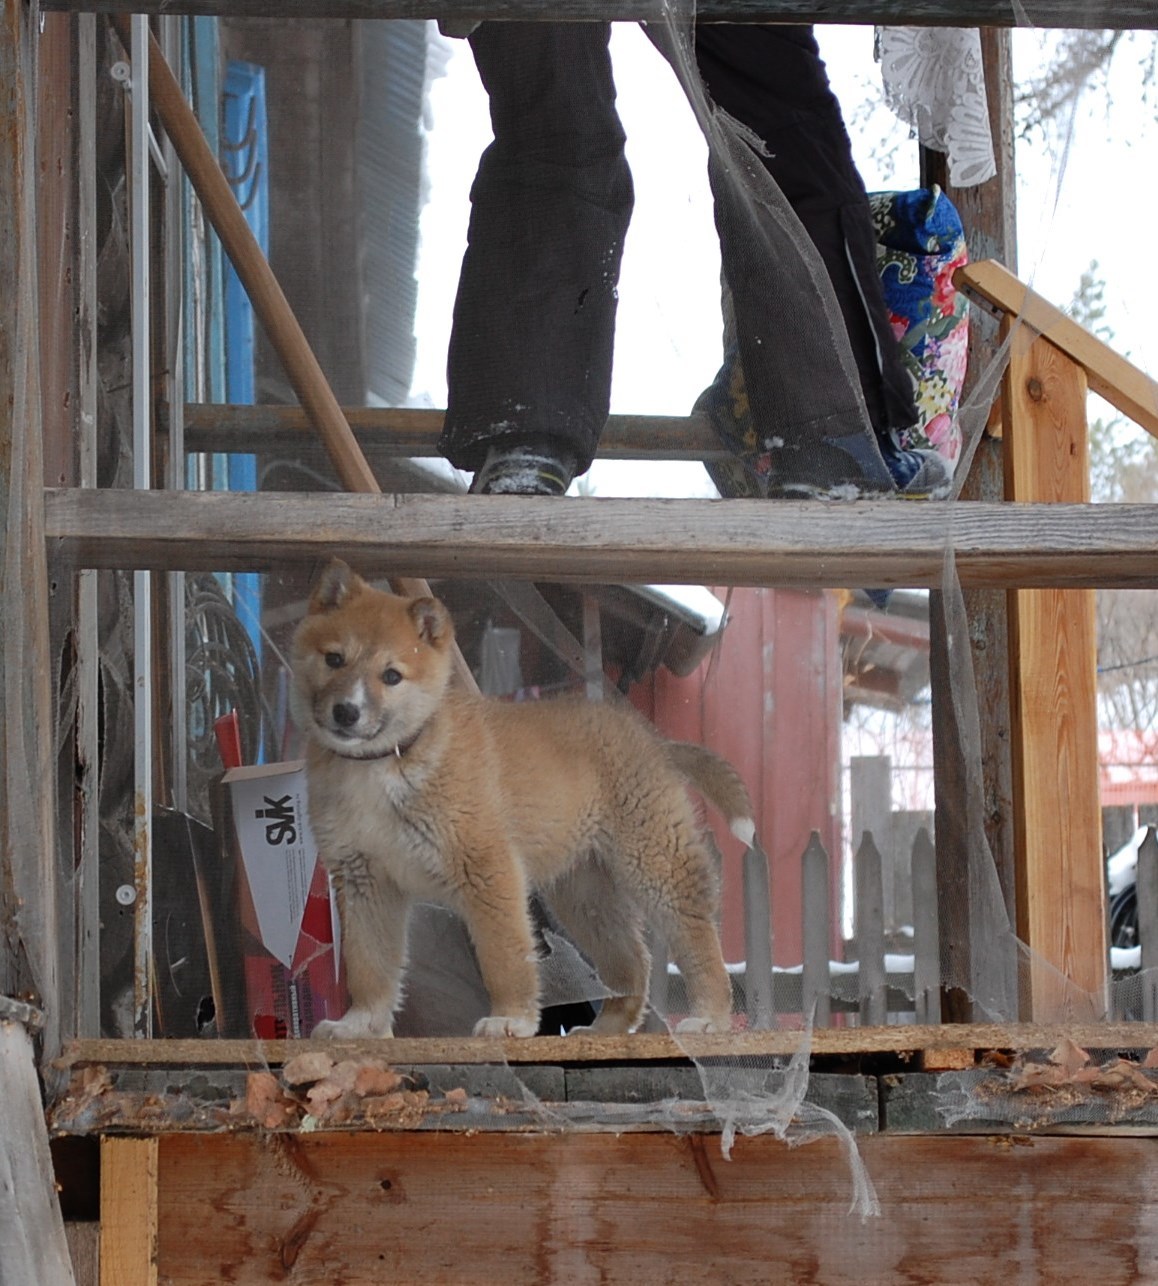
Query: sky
<point x="1085" y="198"/>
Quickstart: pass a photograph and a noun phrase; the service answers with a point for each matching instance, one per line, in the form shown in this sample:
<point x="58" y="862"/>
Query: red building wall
<point x="769" y="699"/>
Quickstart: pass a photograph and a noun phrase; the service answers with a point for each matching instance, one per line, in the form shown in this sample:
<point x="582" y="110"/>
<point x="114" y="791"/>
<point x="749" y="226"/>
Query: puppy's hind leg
<point x="602" y="921"/>
<point x="373" y="914"/>
<point x="695" y="948"/>
<point x="688" y="909"/>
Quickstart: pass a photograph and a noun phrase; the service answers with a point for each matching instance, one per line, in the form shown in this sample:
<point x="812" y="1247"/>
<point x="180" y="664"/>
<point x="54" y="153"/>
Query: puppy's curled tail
<point x="718" y="782"/>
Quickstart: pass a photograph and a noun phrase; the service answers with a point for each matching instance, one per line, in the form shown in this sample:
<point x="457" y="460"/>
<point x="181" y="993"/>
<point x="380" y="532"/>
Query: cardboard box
<point x="290" y="934"/>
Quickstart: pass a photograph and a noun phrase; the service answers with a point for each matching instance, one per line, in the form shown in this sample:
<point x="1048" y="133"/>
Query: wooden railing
<point x="1053" y="645"/>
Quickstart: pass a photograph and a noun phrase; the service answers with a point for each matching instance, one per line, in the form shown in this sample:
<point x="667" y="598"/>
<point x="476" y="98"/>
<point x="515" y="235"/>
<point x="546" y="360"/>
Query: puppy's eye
<point x="391" y="677"/>
<point x="335" y="660"/>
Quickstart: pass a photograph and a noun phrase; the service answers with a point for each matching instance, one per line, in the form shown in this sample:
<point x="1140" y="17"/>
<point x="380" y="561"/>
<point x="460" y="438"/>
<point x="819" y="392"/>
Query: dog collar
<point x="397" y="750"/>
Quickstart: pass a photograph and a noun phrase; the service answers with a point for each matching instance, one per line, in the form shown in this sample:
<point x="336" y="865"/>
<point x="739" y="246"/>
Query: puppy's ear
<point x="432" y="621"/>
<point x="336" y="583"/>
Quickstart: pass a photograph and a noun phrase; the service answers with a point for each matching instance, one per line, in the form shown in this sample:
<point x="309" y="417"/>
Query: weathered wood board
<point x="32" y="1241"/>
<point x="952" y="13"/>
<point x="725" y="542"/>
<point x="653" y="1208"/>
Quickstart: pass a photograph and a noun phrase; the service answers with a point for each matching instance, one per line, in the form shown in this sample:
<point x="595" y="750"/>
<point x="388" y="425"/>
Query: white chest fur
<point x="373" y="814"/>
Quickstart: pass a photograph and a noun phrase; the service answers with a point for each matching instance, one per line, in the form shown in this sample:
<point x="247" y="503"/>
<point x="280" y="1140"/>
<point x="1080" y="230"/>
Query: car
<point x="1122" y="891"/>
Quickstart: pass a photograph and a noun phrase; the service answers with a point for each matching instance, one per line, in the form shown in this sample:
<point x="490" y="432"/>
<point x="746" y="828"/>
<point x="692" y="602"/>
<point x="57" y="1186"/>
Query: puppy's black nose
<point x="346" y="714"/>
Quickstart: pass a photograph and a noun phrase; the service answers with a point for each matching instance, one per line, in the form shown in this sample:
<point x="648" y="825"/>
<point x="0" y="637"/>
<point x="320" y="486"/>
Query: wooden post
<point x="1053" y="698"/>
<point x="29" y="925"/>
<point x="129" y="1211"/>
<point x="988" y="212"/>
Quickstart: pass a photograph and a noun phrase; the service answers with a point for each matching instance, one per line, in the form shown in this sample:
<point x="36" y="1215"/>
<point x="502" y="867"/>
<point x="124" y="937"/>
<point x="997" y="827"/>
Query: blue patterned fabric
<point x="920" y="244"/>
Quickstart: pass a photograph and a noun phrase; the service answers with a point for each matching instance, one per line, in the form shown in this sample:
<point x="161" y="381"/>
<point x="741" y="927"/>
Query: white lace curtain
<point x="935" y="83"/>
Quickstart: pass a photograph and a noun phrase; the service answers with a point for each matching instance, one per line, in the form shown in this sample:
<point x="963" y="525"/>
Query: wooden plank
<point x="1053" y="691"/>
<point x="390" y="432"/>
<point x="32" y="1242"/>
<point x="1142" y="14"/>
<point x="538" y="1208"/>
<point x="737" y="542"/>
<point x="129" y="1213"/>
<point x="1122" y="384"/>
<point x="84" y="1239"/>
<point x="641" y="1047"/>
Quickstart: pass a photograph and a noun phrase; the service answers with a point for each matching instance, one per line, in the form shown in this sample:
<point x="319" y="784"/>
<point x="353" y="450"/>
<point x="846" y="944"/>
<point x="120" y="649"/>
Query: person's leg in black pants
<point x="529" y="365"/>
<point x="773" y="80"/>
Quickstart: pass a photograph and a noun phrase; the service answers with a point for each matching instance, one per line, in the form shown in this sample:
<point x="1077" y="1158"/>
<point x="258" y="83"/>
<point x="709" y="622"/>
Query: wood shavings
<point x="372" y="1079"/>
<point x="314" y="1092"/>
<point x="267" y="1103"/>
<point x="1068" y="1085"/>
<point x="303" y="1069"/>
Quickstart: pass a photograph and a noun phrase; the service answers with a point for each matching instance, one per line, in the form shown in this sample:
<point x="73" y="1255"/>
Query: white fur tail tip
<point x="744" y="829"/>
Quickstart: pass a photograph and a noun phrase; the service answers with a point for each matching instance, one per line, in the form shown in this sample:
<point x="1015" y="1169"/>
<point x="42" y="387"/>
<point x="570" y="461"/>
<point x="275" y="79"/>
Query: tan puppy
<point x="419" y="791"/>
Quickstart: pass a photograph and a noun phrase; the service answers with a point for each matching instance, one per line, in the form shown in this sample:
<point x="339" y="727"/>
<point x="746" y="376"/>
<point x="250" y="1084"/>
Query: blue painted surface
<point x="205" y="74"/>
<point x="244" y="151"/>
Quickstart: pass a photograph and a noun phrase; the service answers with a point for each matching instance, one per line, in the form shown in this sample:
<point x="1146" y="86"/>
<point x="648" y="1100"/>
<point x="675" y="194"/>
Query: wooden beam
<point x="572" y="1207"/>
<point x="1125" y="14"/>
<point x="1109" y="374"/>
<point x="411" y="432"/>
<point x="842" y="1042"/>
<point x="129" y="1212"/>
<point x="726" y="542"/>
<point x="1061" y="912"/>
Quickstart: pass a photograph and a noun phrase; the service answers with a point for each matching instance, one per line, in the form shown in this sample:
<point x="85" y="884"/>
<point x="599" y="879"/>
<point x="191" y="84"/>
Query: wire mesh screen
<point x="313" y="863"/>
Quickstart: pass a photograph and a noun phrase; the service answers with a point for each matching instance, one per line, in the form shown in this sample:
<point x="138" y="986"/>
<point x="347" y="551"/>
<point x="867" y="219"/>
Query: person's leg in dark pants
<point x="773" y="80"/>
<point x="529" y="365"/>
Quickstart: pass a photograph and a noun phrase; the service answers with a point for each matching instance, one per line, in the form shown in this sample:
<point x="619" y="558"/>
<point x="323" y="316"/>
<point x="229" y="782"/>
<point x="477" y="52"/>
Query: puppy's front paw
<point x="498" y="1026"/>
<point x="356" y="1024"/>
<point x="699" y="1027"/>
